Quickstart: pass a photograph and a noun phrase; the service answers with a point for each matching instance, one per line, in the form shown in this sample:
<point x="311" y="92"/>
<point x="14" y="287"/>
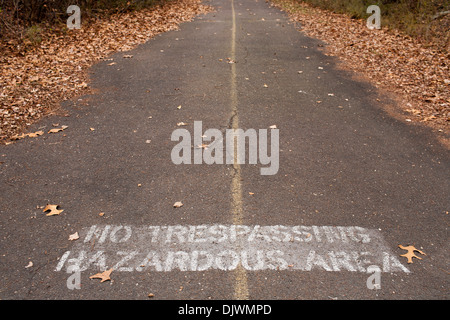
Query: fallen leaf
<point x="181" y="124"/>
<point x="31" y="135"/>
<point x="74" y="236"/>
<point x="128" y="56"/>
<point x="92" y="129"/>
<point x="410" y="254"/>
<point x="29" y="265"/>
<point x="18" y="137"/>
<point x="35" y="134"/>
<point x="273" y="127"/>
<point x="179" y="107"/>
<point x="414" y="111"/>
<point x="105" y="275"/>
<point x="101" y="214"/>
<point x="111" y="64"/>
<point x="177" y="204"/>
<point x="429" y="118"/>
<point x="53" y="208"/>
<point x="58" y="129"/>
<point x="265" y="85"/>
<point x="251" y="193"/>
<point x="150" y="295"/>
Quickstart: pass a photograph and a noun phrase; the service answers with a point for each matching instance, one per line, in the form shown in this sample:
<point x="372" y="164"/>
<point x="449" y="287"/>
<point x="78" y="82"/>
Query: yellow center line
<point x="240" y="285"/>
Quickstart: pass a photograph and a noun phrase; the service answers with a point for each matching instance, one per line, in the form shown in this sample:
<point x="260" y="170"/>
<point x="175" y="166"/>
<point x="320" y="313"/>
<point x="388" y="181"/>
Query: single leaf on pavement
<point x="53" y="208"/>
<point x="410" y="254"/>
<point x="57" y="129"/>
<point x="177" y="204"/>
<point x="35" y="134"/>
<point x="74" y="236"/>
<point x="105" y="275"/>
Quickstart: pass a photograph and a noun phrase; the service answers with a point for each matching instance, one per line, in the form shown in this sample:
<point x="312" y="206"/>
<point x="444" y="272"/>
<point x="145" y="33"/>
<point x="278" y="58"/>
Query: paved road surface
<point x="351" y="183"/>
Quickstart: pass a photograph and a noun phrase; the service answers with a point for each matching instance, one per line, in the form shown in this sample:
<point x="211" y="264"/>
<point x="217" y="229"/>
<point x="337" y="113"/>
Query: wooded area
<point x="25" y="19"/>
<point x="427" y="20"/>
<point x="36" y="11"/>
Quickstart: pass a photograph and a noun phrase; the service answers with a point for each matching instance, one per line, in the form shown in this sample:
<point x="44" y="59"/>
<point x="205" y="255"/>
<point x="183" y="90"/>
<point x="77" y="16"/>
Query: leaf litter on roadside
<point x="416" y="73"/>
<point x="34" y="81"/>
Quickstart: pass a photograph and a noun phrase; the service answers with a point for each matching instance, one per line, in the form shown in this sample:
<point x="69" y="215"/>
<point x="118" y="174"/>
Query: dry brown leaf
<point x="18" y="137"/>
<point x="35" y="134"/>
<point x="57" y="129"/>
<point x="429" y="118"/>
<point x="105" y="275"/>
<point x="410" y="254"/>
<point x="74" y="236"/>
<point x="53" y="208"/>
<point x="30" y="135"/>
<point x="177" y="204"/>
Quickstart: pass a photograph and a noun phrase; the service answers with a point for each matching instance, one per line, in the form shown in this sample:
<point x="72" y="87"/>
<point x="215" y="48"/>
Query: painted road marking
<point x="229" y="248"/>
<point x="240" y="285"/>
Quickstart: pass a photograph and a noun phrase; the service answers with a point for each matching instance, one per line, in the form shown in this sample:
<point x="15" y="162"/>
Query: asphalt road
<point x="350" y="184"/>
